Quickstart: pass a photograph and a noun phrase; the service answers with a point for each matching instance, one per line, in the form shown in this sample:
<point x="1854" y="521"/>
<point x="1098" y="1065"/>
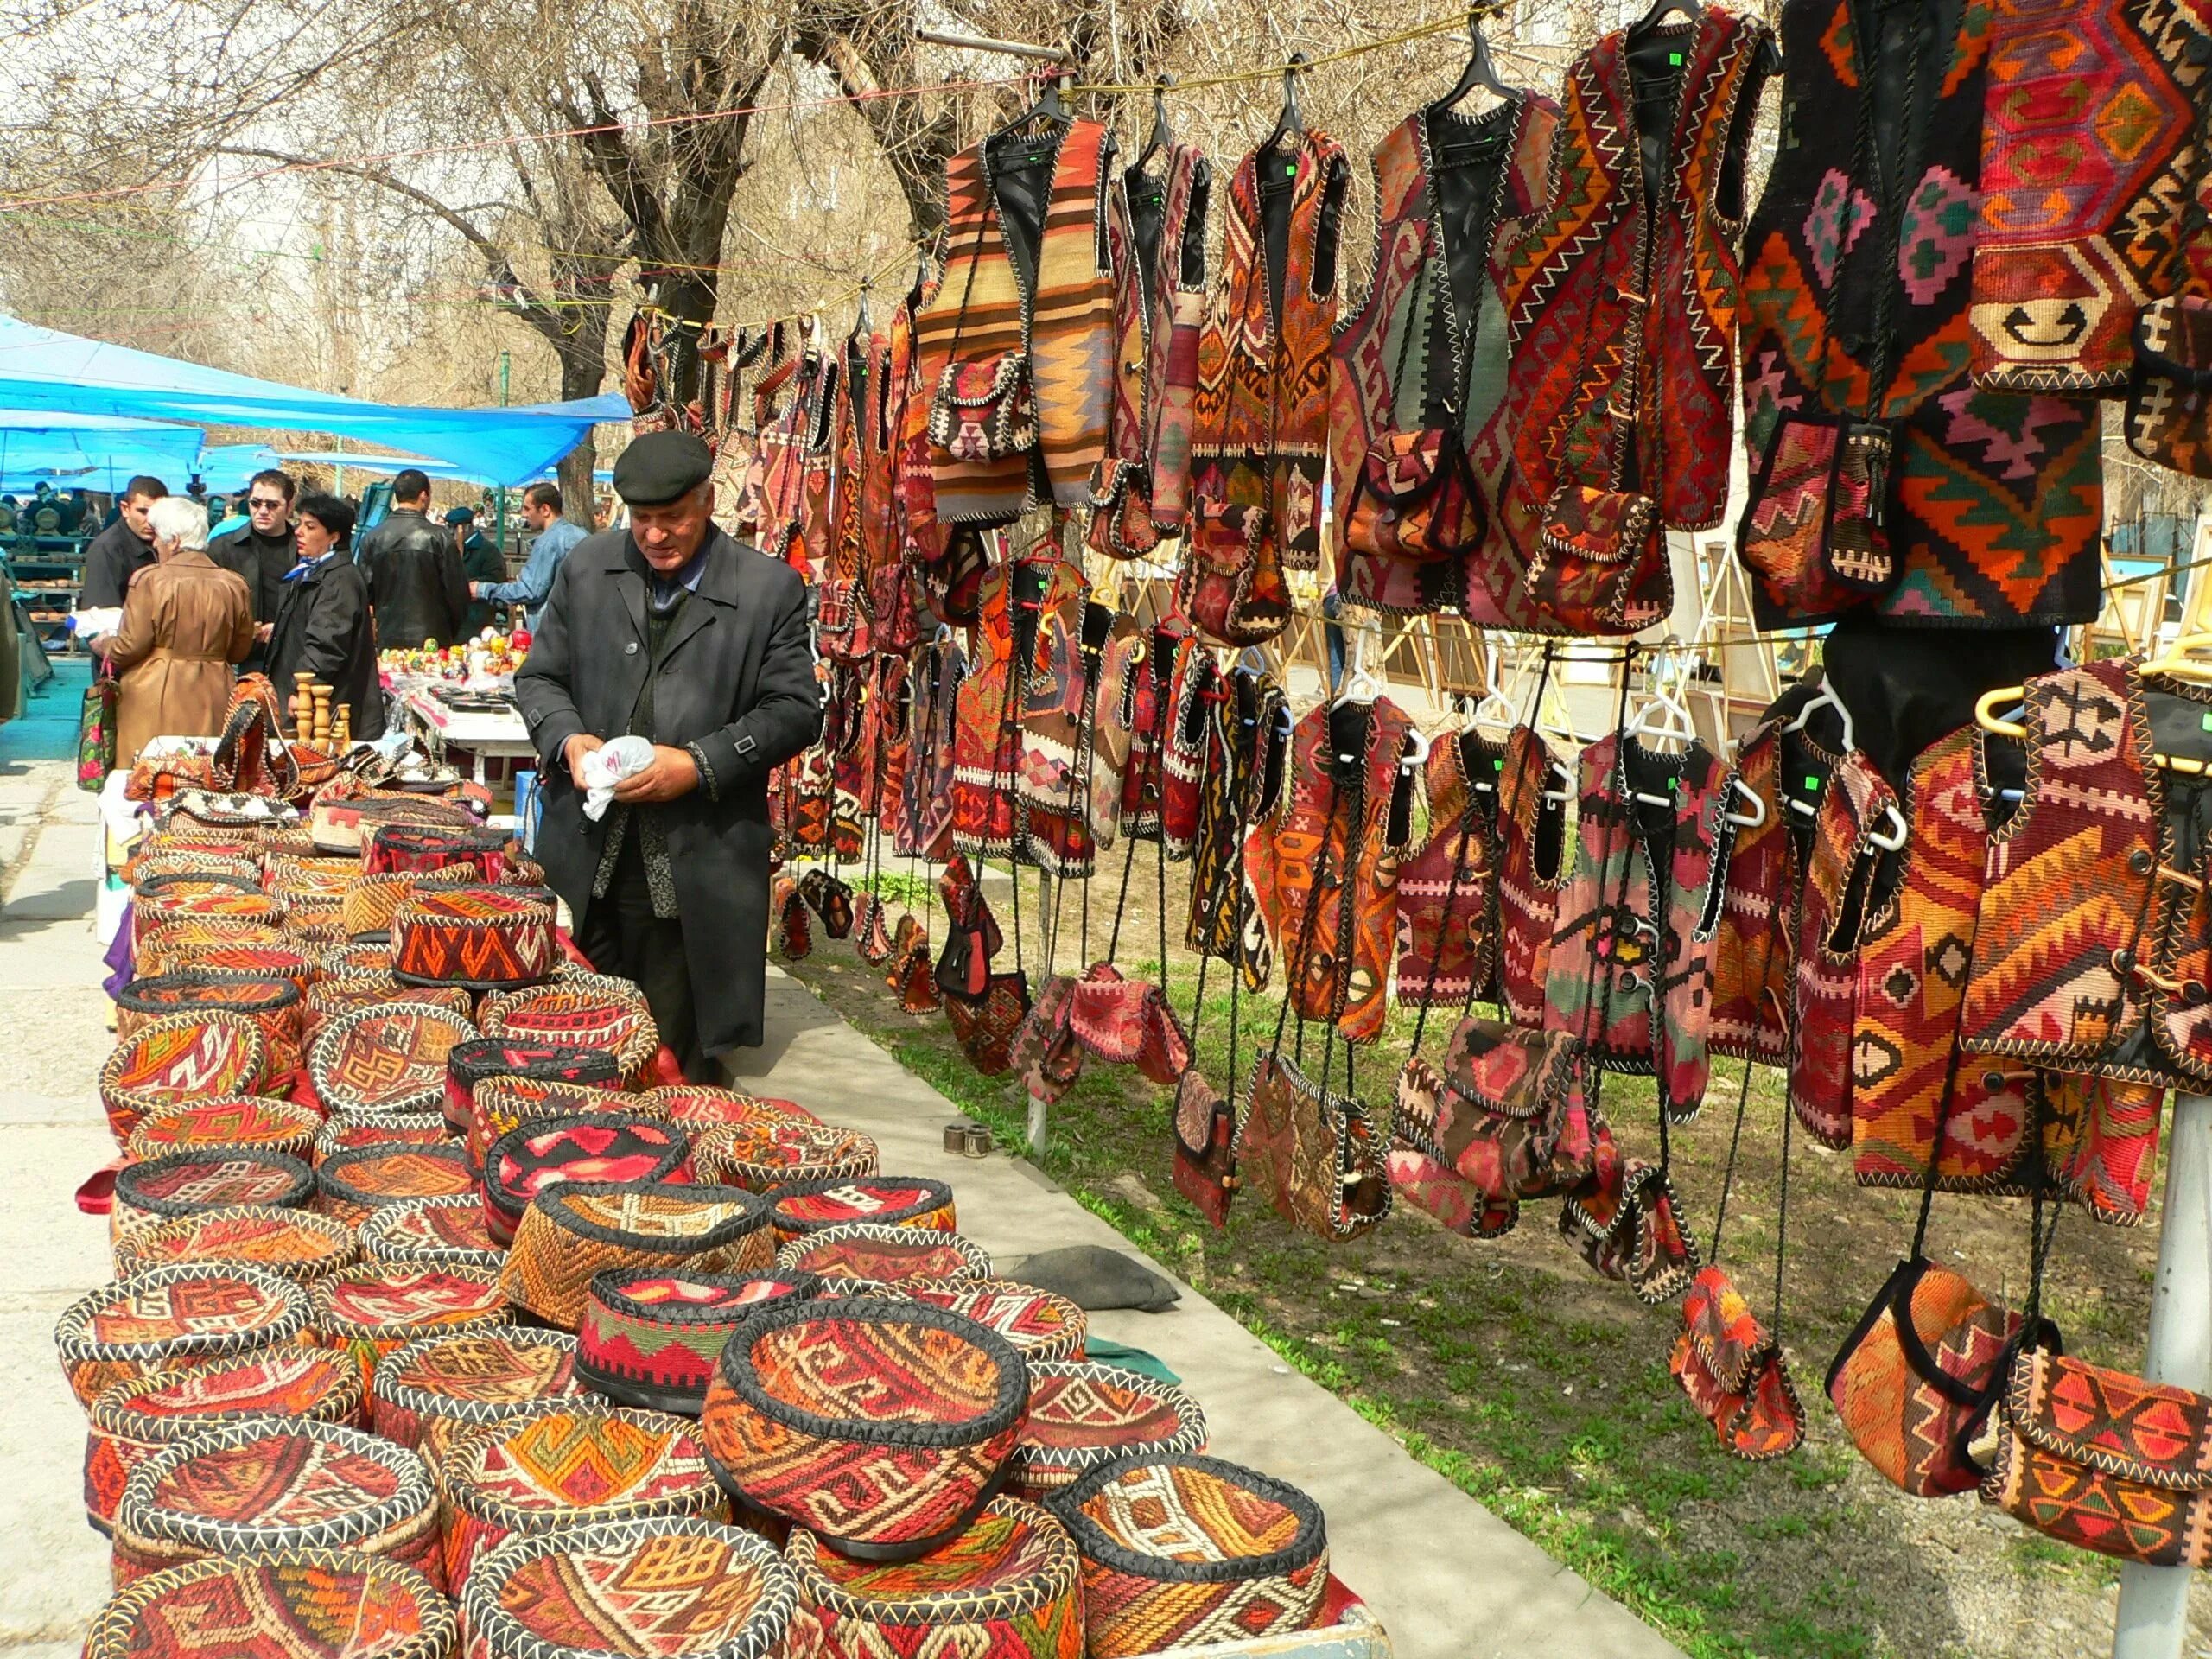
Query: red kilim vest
<point x="1447" y="891"/>
<point x="1751" y="958"/>
<point x="1534" y="866"/>
<point x="1829" y="916"/>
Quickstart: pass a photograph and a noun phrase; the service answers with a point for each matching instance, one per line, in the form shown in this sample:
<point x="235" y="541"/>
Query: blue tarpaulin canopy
<point x="45" y="369"/>
<point x="91" y="452"/>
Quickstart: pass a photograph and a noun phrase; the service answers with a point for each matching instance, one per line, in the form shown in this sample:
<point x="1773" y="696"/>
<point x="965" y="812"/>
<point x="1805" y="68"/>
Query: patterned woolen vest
<point x="1427" y="350"/>
<point x="1623" y="320"/>
<point x="1447" y="890"/>
<point x="1751" y="958"/>
<point x="1260" y="426"/>
<point x="1830" y="917"/>
<point x="2088" y="147"/>
<point x="1997" y="498"/>
<point x="1534" y="867"/>
<point x="1240" y="783"/>
<point x="1053" y="299"/>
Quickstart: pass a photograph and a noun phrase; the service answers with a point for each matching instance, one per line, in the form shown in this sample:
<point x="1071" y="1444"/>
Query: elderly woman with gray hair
<point x="185" y="621"/>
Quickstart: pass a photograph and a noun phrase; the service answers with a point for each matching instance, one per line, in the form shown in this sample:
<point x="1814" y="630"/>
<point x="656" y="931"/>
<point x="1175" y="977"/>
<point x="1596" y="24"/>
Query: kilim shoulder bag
<point x="1202" y="1124"/>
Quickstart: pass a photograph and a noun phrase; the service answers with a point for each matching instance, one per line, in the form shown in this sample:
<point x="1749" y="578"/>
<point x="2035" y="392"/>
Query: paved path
<point x="1449" y="1580"/>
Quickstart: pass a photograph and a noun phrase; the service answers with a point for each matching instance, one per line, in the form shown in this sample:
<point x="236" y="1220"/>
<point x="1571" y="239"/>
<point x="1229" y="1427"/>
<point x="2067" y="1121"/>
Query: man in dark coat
<point x="673" y="632"/>
<point x="413" y="570"/>
<point x="323" y="625"/>
<point x="263" y="552"/>
<point x="480" y="562"/>
<point x="123" y="549"/>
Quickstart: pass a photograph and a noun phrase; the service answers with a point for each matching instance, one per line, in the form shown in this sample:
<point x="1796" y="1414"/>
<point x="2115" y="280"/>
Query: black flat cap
<point x="660" y="467"/>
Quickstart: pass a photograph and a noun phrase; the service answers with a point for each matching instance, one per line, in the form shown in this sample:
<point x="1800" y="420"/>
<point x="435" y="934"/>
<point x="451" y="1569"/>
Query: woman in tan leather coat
<point x="185" y="622"/>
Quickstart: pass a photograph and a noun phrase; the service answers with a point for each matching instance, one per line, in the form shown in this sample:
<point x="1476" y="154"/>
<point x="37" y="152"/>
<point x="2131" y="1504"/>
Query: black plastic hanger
<point x="1052" y="105"/>
<point x="1291" y="124"/>
<point x="863" y="324"/>
<point x="1162" y="137"/>
<point x="1479" y="74"/>
<point x="1651" y="19"/>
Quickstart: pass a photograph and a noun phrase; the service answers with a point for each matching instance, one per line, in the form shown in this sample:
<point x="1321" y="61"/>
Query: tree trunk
<point x="582" y="373"/>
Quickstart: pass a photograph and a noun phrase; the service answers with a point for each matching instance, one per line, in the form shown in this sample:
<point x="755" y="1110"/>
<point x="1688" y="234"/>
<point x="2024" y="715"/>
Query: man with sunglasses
<point x="261" y="551"/>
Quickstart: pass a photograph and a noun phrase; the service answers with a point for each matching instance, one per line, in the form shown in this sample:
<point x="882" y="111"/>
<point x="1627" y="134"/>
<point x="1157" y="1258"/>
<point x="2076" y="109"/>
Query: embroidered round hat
<point x="358" y="956"/>
<point x="199" y="943"/>
<point x="607" y="1148"/>
<point x="355" y="1184"/>
<point x="389" y="1058"/>
<point x="700" y="1106"/>
<point x="158" y="857"/>
<point x="673" y="1587"/>
<point x="426" y="848"/>
<point x="499" y="1105"/>
<point x="295" y="873"/>
<point x="809" y="1206"/>
<point x="271" y="1483"/>
<point x="272" y="1002"/>
<point x="1083" y="1414"/>
<point x="1040" y="1323"/>
<point x="330" y="998"/>
<point x="589" y="1010"/>
<point x="865" y="1253"/>
<point x="180" y="1057"/>
<point x="578" y="1229"/>
<point x="351" y="1131"/>
<point x="487" y="938"/>
<point x="765" y="1151"/>
<point x="155" y="888"/>
<point x="455" y="1380"/>
<point x="294" y="1244"/>
<point x="195" y="1314"/>
<point x="1189" y="1551"/>
<point x="152" y="913"/>
<point x="440" y="1232"/>
<point x="226" y="1121"/>
<point x="344" y="826"/>
<point x="1008" y="1586"/>
<point x="314" y="914"/>
<point x="371" y="1310"/>
<point x="651" y="1337"/>
<point x="288" y="1604"/>
<point x="132" y="1420"/>
<point x="271" y="958"/>
<point x="571" y="1464"/>
<point x="481" y="1058"/>
<point x="883" y="1426"/>
<point x="369" y="904"/>
<point x="207" y="1178"/>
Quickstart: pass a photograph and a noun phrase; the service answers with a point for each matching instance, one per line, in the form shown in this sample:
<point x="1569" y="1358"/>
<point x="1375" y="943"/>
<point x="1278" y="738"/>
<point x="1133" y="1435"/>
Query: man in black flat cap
<point x="671" y="631"/>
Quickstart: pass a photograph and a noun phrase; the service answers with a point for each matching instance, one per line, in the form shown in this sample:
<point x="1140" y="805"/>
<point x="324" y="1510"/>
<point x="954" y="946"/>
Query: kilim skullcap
<point x="179" y="883"/>
<point x="499" y="1105"/>
<point x="353" y="1185"/>
<point x="371" y="902"/>
<point x="451" y="1381"/>
<point x="567" y="1464"/>
<point x="202" y="808"/>
<point x="764" y="1151"/>
<point x="199" y="943"/>
<point x="667" y="1588"/>
<point x="195" y="1314"/>
<point x="809" y="1206"/>
<point x="272" y="1002"/>
<point x="1187" y="1551"/>
<point x="271" y="1484"/>
<point x="482" y="1057"/>
<point x="344" y="994"/>
<point x="132" y="1420"/>
<point x="225" y="1121"/>
<point x="651" y="1337"/>
<point x="444" y="1232"/>
<point x="288" y="1604"/>
<point x="881" y="1425"/>
<point x="273" y="958"/>
<point x="661" y="467"/>
<point x="601" y="1147"/>
<point x="293" y="842"/>
<point x="1009" y="1586"/>
<point x="153" y="914"/>
<point x="1083" y="1414"/>
<point x="342" y="826"/>
<point x="487" y="938"/>
<point x="358" y="956"/>
<point x="369" y="1310"/>
<point x="390" y="1058"/>
<point x="863" y="1253"/>
<point x="594" y="1010"/>
<point x="178" y="1057"/>
<point x="422" y="848"/>
<point x="288" y="875"/>
<point x="296" y="1244"/>
<point x="1040" y="1323"/>
<point x="704" y="1106"/>
<point x="207" y="1178"/>
<point x="351" y="1131"/>
<point x="150" y="861"/>
<point x="577" y="1229"/>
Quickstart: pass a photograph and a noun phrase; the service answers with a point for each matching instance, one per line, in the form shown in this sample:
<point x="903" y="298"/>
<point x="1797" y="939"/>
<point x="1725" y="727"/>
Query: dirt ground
<point x="1543" y="1390"/>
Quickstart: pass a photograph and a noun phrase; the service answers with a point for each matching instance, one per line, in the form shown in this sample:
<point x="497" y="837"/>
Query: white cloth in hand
<point x="608" y="765"/>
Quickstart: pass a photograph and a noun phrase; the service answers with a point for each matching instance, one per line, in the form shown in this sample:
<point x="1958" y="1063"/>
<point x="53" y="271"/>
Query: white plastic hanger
<point x="1826" y="698"/>
<point x="1752" y="797"/>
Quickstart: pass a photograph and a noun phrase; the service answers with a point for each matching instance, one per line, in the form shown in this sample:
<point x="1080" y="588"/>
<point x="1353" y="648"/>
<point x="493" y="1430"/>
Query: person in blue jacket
<point x="541" y="511"/>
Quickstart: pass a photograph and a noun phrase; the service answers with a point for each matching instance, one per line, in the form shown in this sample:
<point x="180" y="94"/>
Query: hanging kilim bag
<point x="313" y="1603"/>
<point x="831" y="898"/>
<point x="862" y="1255"/>
<point x="1313" y="1155"/>
<point x="1044" y="1049"/>
<point x="1083" y="1414"/>
<point x="97" y="722"/>
<point x="1813" y="527"/>
<point x="650" y="1336"/>
<point x="2100" y="1140"/>
<point x="871" y="940"/>
<point x="1601" y="565"/>
<point x="1628" y="1226"/>
<point x="1918" y="1374"/>
<point x="985" y="1029"/>
<point x="1733" y="1370"/>
<point x="181" y="1318"/>
<point x="794" y="933"/>
<point x="1186" y="1552"/>
<point x="431" y="1232"/>
<point x="2169" y="417"/>
<point x="912" y="974"/>
<point x="581" y="1228"/>
<point x="1205" y="1168"/>
<point x="425" y="1392"/>
<point x="2105" y="1461"/>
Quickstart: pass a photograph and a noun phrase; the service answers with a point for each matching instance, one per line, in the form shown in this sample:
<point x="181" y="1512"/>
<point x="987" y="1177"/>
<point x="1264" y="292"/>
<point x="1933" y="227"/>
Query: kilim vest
<point x="1055" y="764"/>
<point x="1190" y="696"/>
<point x="1830" y="915"/>
<point x="1260" y="428"/>
<point x="776" y="483"/>
<point x="1630" y="974"/>
<point x="1156" y="233"/>
<point x="1241" y="780"/>
<point x="1332" y="849"/>
<point x="1145" y="777"/>
<point x="1751" y="959"/>
<point x="1425" y="355"/>
<point x="1997" y="500"/>
<point x="2091" y="953"/>
<point x="853" y="752"/>
<point x="891" y="710"/>
<point x="1533" y="869"/>
<point x="913" y="486"/>
<point x="924" y="827"/>
<point x="875" y="433"/>
<point x="1034" y="286"/>
<point x="987" y="736"/>
<point x="2087" y="152"/>
<point x="1447" y="890"/>
<point x="1112" y="726"/>
<point x="1623" y="317"/>
<point x="1914" y="960"/>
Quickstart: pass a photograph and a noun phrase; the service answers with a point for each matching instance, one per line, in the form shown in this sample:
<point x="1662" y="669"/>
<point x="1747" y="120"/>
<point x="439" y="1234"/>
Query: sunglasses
<point x="258" y="501"/>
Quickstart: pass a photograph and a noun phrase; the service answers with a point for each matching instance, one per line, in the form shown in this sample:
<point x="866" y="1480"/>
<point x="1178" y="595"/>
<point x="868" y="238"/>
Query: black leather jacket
<point x="415" y="582"/>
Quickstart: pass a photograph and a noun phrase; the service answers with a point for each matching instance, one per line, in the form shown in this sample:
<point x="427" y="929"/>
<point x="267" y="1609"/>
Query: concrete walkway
<point x="1449" y="1580"/>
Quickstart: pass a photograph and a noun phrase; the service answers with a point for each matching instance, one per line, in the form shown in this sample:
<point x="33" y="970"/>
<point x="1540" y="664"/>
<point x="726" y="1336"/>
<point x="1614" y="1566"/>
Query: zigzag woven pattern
<point x="577" y="1229"/>
<point x="272" y="1004"/>
<point x="448" y="1232"/>
<point x="651" y="1589"/>
<point x="226" y="1121"/>
<point x="296" y="1243"/>
<point x="200" y="944"/>
<point x="489" y="938"/>
<point x="174" y="1316"/>
<point x="585" y="1010"/>
<point x="178" y="1057"/>
<point x="1008" y="1587"/>
<point x="865" y="1252"/>
<point x="293" y="1604"/>
<point x="886" y="1201"/>
<point x="1083" y="1414"/>
<point x="357" y="1182"/>
<point x="651" y="1337"/>
<point x="474" y="1376"/>
<point x="1040" y="1324"/>
<point x="768" y="1151"/>
<point x="390" y="1058"/>
<point x="351" y="1131"/>
<point x="499" y="1105"/>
